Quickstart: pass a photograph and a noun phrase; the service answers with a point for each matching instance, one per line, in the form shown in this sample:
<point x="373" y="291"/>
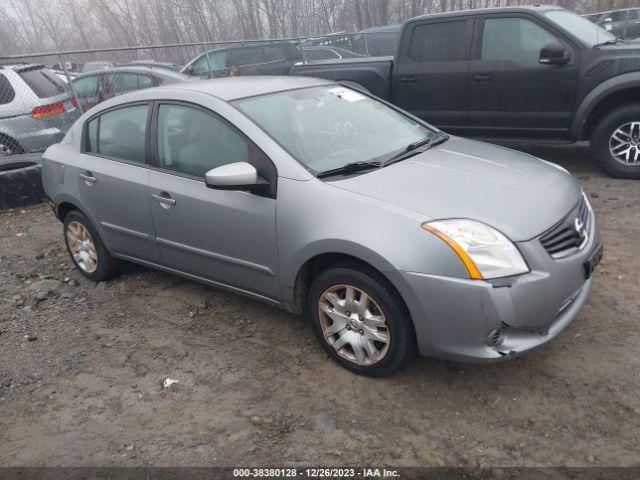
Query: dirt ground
<point x="81" y="367"/>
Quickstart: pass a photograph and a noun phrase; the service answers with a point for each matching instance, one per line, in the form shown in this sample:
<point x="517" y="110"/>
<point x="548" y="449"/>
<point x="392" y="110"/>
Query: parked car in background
<point x="249" y="59"/>
<point x="152" y="64"/>
<point x="327" y="52"/>
<point x="534" y="73"/>
<point x="36" y="108"/>
<point x="95" y="66"/>
<point x="391" y="236"/>
<point x="623" y="23"/>
<point x="93" y="88"/>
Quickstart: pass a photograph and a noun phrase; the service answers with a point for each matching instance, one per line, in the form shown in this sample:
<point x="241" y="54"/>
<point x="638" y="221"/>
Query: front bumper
<point x="477" y="321"/>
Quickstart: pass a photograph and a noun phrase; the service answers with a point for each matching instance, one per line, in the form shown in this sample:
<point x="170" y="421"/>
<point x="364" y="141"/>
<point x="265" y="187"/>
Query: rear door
<point x="510" y="92"/>
<point x="431" y="70"/>
<point x="113" y="180"/>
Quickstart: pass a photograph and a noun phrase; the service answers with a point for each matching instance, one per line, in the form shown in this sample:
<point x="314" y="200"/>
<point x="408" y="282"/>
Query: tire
<point x="384" y="358"/>
<point x="9" y="146"/>
<point x="603" y="140"/>
<point x="105" y="266"/>
<point x="20" y="183"/>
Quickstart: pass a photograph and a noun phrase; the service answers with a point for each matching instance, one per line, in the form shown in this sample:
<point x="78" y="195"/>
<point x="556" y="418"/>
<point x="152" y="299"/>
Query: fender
<point x="289" y="271"/>
<point x="593" y="98"/>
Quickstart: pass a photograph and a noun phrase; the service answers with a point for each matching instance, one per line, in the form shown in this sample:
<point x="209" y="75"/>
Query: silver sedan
<point x="390" y="236"/>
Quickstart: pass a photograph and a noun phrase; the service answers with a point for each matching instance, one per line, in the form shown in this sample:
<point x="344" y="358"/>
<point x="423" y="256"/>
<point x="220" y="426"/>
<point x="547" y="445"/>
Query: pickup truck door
<point x="432" y="70"/>
<point x="510" y="92"/>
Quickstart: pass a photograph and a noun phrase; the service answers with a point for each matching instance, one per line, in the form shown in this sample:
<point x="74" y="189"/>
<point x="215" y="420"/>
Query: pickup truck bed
<point x="374" y="73"/>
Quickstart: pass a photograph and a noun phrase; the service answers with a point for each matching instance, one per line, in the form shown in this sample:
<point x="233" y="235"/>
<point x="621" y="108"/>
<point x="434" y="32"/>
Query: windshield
<point x="330" y="126"/>
<point x="588" y="32"/>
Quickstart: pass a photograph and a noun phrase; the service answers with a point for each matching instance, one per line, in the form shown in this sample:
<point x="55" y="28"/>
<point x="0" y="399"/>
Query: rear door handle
<point x="482" y="77"/>
<point x="406" y="80"/>
<point x="87" y="177"/>
<point x="163" y="199"/>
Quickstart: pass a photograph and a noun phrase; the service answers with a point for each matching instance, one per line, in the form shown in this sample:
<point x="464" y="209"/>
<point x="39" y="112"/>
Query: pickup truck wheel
<point x="360" y="320"/>
<point x="616" y="142"/>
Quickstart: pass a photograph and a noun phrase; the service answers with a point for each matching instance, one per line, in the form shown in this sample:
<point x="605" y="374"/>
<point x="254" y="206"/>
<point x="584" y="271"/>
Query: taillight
<point x="48" y="110"/>
<point x="74" y="102"/>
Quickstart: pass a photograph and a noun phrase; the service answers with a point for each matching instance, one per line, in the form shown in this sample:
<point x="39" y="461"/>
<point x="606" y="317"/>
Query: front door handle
<point x="88" y="177"/>
<point x="482" y="77"/>
<point x="163" y="199"/>
<point x="406" y="80"/>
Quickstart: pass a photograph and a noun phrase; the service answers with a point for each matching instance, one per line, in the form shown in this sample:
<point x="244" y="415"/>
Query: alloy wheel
<point x="5" y="150"/>
<point x="354" y="324"/>
<point x="624" y="144"/>
<point x="82" y="247"/>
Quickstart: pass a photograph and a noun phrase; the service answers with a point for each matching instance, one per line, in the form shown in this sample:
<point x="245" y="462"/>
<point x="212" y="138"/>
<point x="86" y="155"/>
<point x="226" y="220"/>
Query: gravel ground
<point x="81" y="367"/>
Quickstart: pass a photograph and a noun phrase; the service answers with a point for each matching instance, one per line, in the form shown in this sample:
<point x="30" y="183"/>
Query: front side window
<point x="329" y="126"/>
<point x="217" y="60"/>
<point x="516" y="40"/>
<point x="87" y="86"/>
<point x="192" y="141"/>
<point x="119" y="133"/>
<point x="438" y="42"/>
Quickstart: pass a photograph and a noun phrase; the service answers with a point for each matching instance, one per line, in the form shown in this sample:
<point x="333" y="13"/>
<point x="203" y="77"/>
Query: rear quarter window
<point x="7" y="93"/>
<point x="43" y="82"/>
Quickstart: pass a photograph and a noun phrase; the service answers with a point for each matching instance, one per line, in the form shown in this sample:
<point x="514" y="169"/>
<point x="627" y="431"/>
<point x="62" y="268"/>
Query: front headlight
<point x="485" y="252"/>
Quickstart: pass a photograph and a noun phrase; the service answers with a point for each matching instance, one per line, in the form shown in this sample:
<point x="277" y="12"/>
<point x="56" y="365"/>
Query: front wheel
<point x="616" y="142"/>
<point x="360" y="320"/>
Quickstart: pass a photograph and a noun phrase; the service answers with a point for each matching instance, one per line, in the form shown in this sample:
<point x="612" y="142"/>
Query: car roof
<point x="482" y="11"/>
<point x="18" y="67"/>
<point x="158" y="71"/>
<point x="233" y="88"/>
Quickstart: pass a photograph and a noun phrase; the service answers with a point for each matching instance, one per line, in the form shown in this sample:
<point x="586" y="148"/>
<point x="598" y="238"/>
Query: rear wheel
<point x="616" y="142"/>
<point x="360" y="320"/>
<point x="86" y="249"/>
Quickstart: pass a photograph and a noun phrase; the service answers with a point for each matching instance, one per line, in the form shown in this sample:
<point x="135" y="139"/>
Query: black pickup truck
<point x="534" y="73"/>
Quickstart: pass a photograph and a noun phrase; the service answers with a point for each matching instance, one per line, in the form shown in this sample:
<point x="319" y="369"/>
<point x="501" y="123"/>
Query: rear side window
<point x="43" y="82"/>
<point x="438" y="42"/>
<point x="247" y="56"/>
<point x="119" y="133"/>
<point x="126" y="82"/>
<point x="7" y="93"/>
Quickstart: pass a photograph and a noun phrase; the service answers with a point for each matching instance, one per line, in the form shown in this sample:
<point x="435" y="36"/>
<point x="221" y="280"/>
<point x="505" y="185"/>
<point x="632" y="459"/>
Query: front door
<point x="510" y="92"/>
<point x="112" y="179"/>
<point x="432" y="71"/>
<point x="225" y="236"/>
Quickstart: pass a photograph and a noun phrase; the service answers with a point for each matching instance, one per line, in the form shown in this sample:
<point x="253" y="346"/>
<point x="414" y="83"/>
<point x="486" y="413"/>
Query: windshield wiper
<point x="412" y="149"/>
<point x="352" y="167"/>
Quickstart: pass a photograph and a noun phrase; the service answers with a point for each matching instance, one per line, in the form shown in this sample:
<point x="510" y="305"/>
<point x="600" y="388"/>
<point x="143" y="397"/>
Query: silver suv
<point x="389" y="235"/>
<point x="36" y="108"/>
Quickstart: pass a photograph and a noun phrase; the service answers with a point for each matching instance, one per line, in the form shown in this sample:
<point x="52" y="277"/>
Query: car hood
<point x="520" y="195"/>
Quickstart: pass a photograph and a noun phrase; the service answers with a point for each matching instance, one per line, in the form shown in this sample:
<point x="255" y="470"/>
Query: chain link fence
<point x="624" y="23"/>
<point x="41" y="95"/>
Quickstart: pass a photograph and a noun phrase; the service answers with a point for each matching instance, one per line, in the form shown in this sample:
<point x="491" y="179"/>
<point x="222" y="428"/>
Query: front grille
<point x="570" y="233"/>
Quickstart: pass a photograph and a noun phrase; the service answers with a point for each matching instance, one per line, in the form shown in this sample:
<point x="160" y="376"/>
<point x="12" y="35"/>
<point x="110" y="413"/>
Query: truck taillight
<point x="48" y="110"/>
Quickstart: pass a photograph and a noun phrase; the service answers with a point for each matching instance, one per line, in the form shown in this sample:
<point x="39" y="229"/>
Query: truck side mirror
<point x="553" y="54"/>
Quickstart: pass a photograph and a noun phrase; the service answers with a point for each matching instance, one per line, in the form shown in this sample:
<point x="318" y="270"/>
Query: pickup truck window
<point x="438" y="42"/>
<point x="517" y="40"/>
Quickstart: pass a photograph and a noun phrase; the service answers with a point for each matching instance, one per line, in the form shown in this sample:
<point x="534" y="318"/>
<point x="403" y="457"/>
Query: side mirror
<point x="553" y="54"/>
<point x="236" y="176"/>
